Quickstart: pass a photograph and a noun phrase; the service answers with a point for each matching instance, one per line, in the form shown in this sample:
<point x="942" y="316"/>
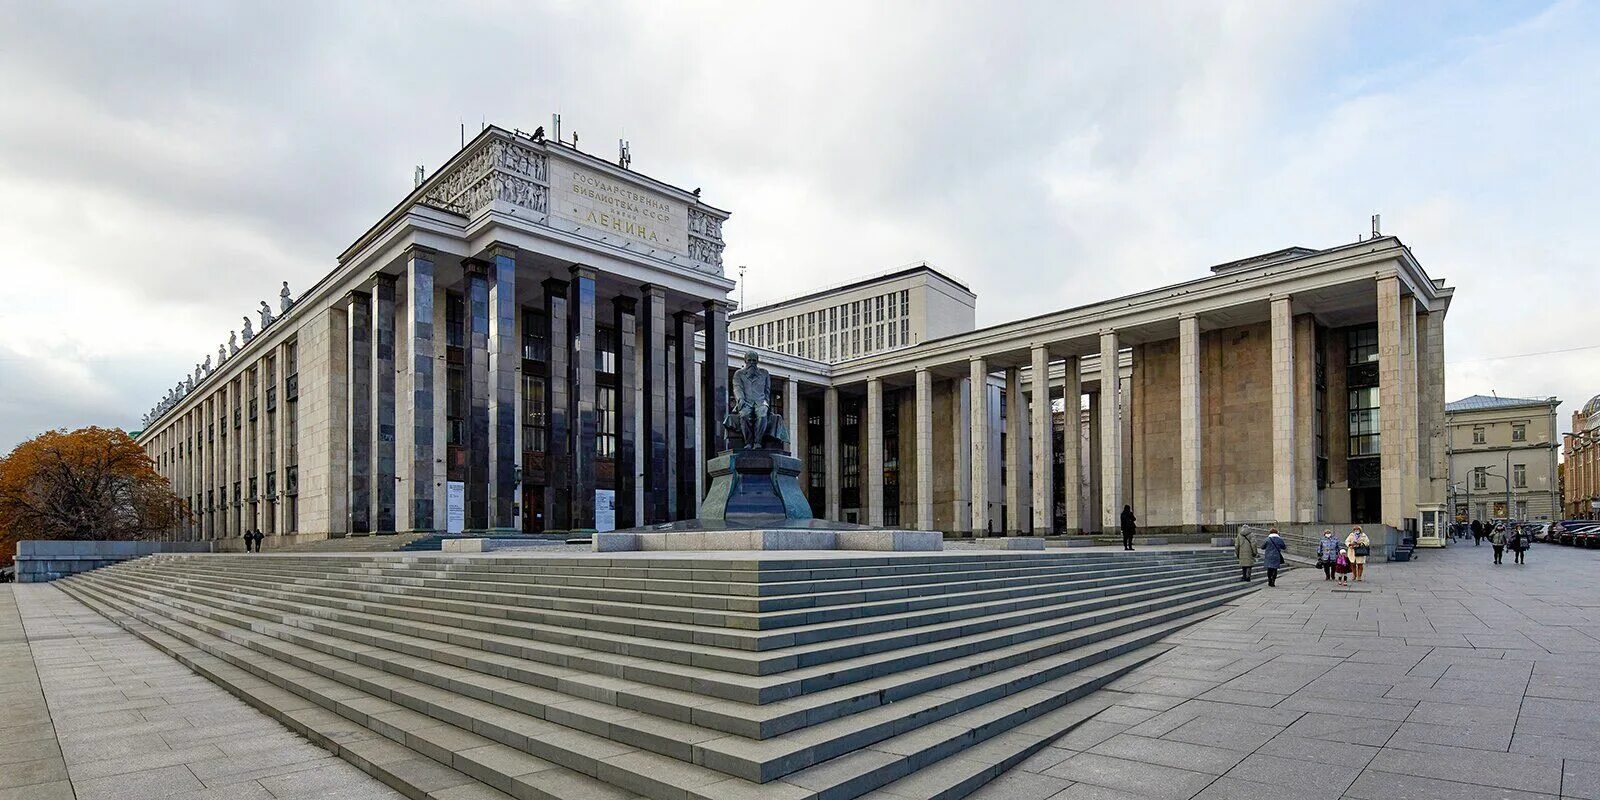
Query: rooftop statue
<point x="233" y="343"/>
<point x="750" y="416"/>
<point x="247" y="331"/>
<point x="285" y="300"/>
<point x="266" y="315"/>
<point x="206" y="365"/>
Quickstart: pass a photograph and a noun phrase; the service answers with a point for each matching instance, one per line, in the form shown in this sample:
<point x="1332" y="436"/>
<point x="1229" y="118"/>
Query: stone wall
<point x="49" y="559"/>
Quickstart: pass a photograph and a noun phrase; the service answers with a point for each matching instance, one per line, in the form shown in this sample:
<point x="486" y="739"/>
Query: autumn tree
<point x="91" y="483"/>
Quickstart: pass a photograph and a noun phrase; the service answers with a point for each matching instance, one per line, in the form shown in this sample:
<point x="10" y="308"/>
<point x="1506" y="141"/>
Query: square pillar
<point x="1041" y="441"/>
<point x="625" y="470"/>
<point x="960" y="465"/>
<point x="791" y="414"/>
<point x="358" y="310"/>
<point x="1283" y="442"/>
<point x="1110" y="427"/>
<point x="1071" y="446"/>
<point x="830" y="449"/>
<point x="653" y="397"/>
<point x="924" y="402"/>
<point x="1189" y="437"/>
<point x="383" y="406"/>
<point x="416" y="413"/>
<point x="1391" y="404"/>
<point x="688" y="472"/>
<point x="479" y="473"/>
<point x="979" y="418"/>
<point x="872" y="471"/>
<point x="505" y="368"/>
<point x="581" y="396"/>
<point x="1018" y="517"/>
<point x="1305" y="419"/>
<point x="714" y="394"/>
<point x="1409" y="408"/>
<point x="557" y="469"/>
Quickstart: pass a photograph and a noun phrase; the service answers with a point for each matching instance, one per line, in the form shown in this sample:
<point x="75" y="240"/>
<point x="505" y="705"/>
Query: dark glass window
<point x="533" y="414"/>
<point x="1364" y="421"/>
<point x="455" y="405"/>
<point x="605" y="422"/>
<point x="455" y="320"/>
<point x="1363" y="345"/>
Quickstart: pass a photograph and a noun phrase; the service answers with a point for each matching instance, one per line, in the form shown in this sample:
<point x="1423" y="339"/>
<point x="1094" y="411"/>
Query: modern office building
<point x="1581" y="487"/>
<point x="536" y="339"/>
<point x="1503" y="453"/>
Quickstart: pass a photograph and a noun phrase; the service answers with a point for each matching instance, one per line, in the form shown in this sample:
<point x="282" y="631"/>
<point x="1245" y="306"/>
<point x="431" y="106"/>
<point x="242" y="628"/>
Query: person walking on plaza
<point x="1477" y="533"/>
<point x="1517" y="541"/>
<point x="1246" y="551"/>
<point x="259" y="537"/>
<point x="249" y="539"/>
<point x="1327" y="554"/>
<point x="1272" y="555"/>
<point x="1497" y="538"/>
<point x="1128" y="527"/>
<point x="1357" y="547"/>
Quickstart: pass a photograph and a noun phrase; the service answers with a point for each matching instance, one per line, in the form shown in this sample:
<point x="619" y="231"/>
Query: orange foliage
<point x="91" y="483"/>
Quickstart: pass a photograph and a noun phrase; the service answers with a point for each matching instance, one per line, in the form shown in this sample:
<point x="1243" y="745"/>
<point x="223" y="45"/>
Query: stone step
<point x="745" y="631"/>
<point x="401" y="765"/>
<point x="660" y="775"/>
<point x="725" y="576"/>
<point x="681" y="692"/>
<point x="693" y="653"/>
<point x="679" y="606"/>
<point x="456" y="668"/>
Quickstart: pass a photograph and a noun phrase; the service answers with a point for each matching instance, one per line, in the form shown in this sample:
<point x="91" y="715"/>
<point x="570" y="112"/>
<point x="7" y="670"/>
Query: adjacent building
<point x="538" y="340"/>
<point x="1503" y="457"/>
<point x="1581" y="487"/>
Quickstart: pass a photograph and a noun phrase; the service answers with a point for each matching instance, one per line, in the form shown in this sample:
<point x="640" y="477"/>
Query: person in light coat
<point x="1358" y="563"/>
<point x="1272" y="555"/>
<point x="1246" y="551"/>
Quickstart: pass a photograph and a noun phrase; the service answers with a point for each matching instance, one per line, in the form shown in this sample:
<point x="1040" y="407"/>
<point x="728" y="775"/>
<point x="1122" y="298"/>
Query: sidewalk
<point x="1445" y="678"/>
<point x="115" y="719"/>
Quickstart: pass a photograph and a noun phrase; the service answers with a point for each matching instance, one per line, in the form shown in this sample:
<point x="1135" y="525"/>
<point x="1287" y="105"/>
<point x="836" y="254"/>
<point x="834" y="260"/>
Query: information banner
<point x="605" y="510"/>
<point x="455" y="507"/>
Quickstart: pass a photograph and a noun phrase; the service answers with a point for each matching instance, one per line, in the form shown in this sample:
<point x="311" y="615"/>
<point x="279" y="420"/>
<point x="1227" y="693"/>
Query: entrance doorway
<point x="532" y="508"/>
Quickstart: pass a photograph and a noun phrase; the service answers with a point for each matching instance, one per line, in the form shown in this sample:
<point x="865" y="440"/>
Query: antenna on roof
<point x="417" y="176"/>
<point x="555" y="127"/>
<point x="742" y="268"/>
<point x="463" y="133"/>
<point x="1375" y="233"/>
<point x="624" y="156"/>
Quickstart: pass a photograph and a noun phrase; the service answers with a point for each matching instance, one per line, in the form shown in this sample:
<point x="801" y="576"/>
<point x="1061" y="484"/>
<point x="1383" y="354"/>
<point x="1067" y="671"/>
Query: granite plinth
<point x="750" y="486"/>
<point x="824" y="536"/>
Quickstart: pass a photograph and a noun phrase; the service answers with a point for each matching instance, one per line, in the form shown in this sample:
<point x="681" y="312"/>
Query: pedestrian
<point x="1518" y="542"/>
<point x="1246" y="551"/>
<point x="1327" y="554"/>
<point x="249" y="539"/>
<point x="1341" y="567"/>
<point x="1272" y="555"/>
<point x="259" y="537"/>
<point x="1477" y="533"/>
<point x="1357" y="547"/>
<point x="1127" y="527"/>
<point x="1497" y="538"/>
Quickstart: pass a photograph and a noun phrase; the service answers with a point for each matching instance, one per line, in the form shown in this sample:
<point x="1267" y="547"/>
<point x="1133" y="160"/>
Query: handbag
<point x="1363" y="551"/>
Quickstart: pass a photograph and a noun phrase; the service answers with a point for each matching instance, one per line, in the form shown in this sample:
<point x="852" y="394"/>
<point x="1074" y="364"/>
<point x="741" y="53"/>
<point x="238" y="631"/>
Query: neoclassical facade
<point x="538" y="340"/>
<point x="1581" y="449"/>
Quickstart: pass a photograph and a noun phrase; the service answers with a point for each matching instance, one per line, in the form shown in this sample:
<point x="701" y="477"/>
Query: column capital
<point x="580" y="271"/>
<point x="554" y="285"/>
<point x="624" y="303"/>
<point x="475" y="266"/>
<point x="421" y="251"/>
<point x="652" y="290"/>
<point x="356" y="296"/>
<point x="501" y="250"/>
<point x="725" y="306"/>
<point x="384" y="277"/>
<point x="680" y="316"/>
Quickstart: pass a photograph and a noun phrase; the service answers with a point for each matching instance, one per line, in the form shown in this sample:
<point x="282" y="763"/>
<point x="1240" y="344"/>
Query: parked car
<point x="1538" y="531"/>
<point x="1576" y="532"/>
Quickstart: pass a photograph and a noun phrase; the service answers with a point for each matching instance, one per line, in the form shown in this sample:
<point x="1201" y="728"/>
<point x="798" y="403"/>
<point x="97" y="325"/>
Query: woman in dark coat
<point x="1272" y="555"/>
<point x="1127" y="527"/>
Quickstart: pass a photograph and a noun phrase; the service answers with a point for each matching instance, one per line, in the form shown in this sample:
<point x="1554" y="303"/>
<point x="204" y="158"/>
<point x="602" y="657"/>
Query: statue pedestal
<point x="754" y="486"/>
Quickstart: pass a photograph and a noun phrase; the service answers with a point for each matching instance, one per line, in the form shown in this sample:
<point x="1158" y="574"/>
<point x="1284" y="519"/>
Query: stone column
<point x="1041" y="440"/>
<point x="625" y="469"/>
<point x="1189" y="416"/>
<point x="979" y="417"/>
<point x="581" y="394"/>
<point x="1305" y="418"/>
<point x="1408" y="411"/>
<point x="1071" y="445"/>
<point x="1017" y="515"/>
<point x="475" y="303"/>
<point x="714" y="393"/>
<point x="504" y="368"/>
<point x="1110" y="450"/>
<point x="383" y="404"/>
<point x="653" y="355"/>
<point x="791" y="415"/>
<point x="416" y="413"/>
<point x="924" y="401"/>
<point x="557" y="466"/>
<point x="688" y="461"/>
<point x="1430" y="364"/>
<point x="960" y="465"/>
<point x="830" y="449"/>
<point x="359" y="463"/>
<point x="1283" y="451"/>
<point x="872" y="470"/>
<point x="1391" y="402"/>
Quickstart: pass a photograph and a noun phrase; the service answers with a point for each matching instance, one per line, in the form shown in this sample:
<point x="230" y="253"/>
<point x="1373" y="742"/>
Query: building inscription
<point x="606" y="205"/>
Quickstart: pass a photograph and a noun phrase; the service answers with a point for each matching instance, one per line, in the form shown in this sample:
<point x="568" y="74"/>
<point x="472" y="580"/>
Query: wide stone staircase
<point x="706" y="676"/>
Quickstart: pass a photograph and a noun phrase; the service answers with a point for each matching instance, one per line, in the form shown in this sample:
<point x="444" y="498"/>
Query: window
<point x="905" y="331"/>
<point x="1364" y="430"/>
<point x="1519" y="476"/>
<point x="605" y="422"/>
<point x="455" y="320"/>
<point x="605" y="351"/>
<point x="1477" y="435"/>
<point x="1363" y="346"/>
<point x="905" y="302"/>
<point x="877" y="306"/>
<point x="1519" y="432"/>
<point x="455" y="405"/>
<point x="1480" y="478"/>
<point x="533" y="413"/>
<point x="535" y="345"/>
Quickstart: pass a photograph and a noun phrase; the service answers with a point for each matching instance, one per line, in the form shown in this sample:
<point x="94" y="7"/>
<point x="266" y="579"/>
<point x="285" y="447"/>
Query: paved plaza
<point x="88" y="711"/>
<point x="1447" y="678"/>
<point x="1443" y="678"/>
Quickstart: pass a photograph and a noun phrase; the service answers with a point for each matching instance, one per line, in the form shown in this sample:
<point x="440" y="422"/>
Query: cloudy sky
<point x="164" y="166"/>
